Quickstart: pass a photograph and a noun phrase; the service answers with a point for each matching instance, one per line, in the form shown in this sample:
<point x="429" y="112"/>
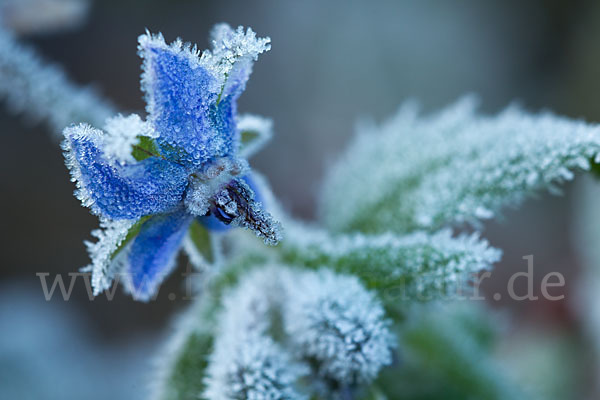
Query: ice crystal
<point x="42" y="91"/>
<point x="181" y="164"/>
<point x="452" y="167"/>
<point x="204" y="185"/>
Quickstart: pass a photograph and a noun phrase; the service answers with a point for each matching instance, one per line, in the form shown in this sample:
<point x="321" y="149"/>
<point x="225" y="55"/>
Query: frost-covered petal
<point x="181" y="95"/>
<point x="151" y="255"/>
<point x="232" y="57"/>
<point x="120" y="191"/>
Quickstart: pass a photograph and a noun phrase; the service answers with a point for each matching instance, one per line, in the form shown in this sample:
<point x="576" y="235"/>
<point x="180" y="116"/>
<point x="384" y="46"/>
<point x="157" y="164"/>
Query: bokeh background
<point x="332" y="63"/>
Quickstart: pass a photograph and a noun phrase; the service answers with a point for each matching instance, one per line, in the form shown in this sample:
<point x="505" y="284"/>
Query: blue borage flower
<point x="150" y="181"/>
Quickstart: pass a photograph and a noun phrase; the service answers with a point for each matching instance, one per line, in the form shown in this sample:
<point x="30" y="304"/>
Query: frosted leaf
<point x="255" y="132"/>
<point x="328" y="319"/>
<point x="181" y="363"/>
<point x="103" y="267"/>
<point x="42" y="91"/>
<point x="332" y="319"/>
<point x="418" y="267"/>
<point x="246" y="363"/>
<point x="452" y="167"/>
<point x="122" y="133"/>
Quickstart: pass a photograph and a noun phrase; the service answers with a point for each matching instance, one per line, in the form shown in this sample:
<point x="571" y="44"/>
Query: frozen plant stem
<point x="42" y="91"/>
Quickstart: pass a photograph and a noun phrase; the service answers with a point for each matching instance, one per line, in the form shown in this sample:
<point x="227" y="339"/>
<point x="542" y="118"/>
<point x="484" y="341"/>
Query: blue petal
<point x="237" y="78"/>
<point x="121" y="191"/>
<point x="234" y="53"/>
<point x="151" y="256"/>
<point x="182" y="98"/>
<point x="211" y="222"/>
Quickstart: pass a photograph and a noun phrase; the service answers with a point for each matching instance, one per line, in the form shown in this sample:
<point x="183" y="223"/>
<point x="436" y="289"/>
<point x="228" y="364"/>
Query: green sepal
<point x="145" y="148"/>
<point x="131" y="234"/>
<point x="200" y="237"/>
<point x="247" y="137"/>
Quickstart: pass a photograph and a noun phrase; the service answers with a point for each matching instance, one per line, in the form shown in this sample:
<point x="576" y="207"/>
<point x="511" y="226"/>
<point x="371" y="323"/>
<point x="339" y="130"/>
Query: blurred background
<point x="331" y="63"/>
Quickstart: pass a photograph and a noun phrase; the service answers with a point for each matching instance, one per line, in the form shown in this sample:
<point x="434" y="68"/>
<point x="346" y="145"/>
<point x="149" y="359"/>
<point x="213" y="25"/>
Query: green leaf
<point x="185" y="380"/>
<point x="416" y="267"/>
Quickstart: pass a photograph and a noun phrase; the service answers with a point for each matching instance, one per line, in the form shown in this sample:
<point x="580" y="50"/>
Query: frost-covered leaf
<point x="415" y="267"/>
<point x="184" y="380"/>
<point x="181" y="364"/>
<point x="452" y="167"/>
<point x="334" y="321"/>
<point x="277" y="315"/>
<point x="246" y="362"/>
